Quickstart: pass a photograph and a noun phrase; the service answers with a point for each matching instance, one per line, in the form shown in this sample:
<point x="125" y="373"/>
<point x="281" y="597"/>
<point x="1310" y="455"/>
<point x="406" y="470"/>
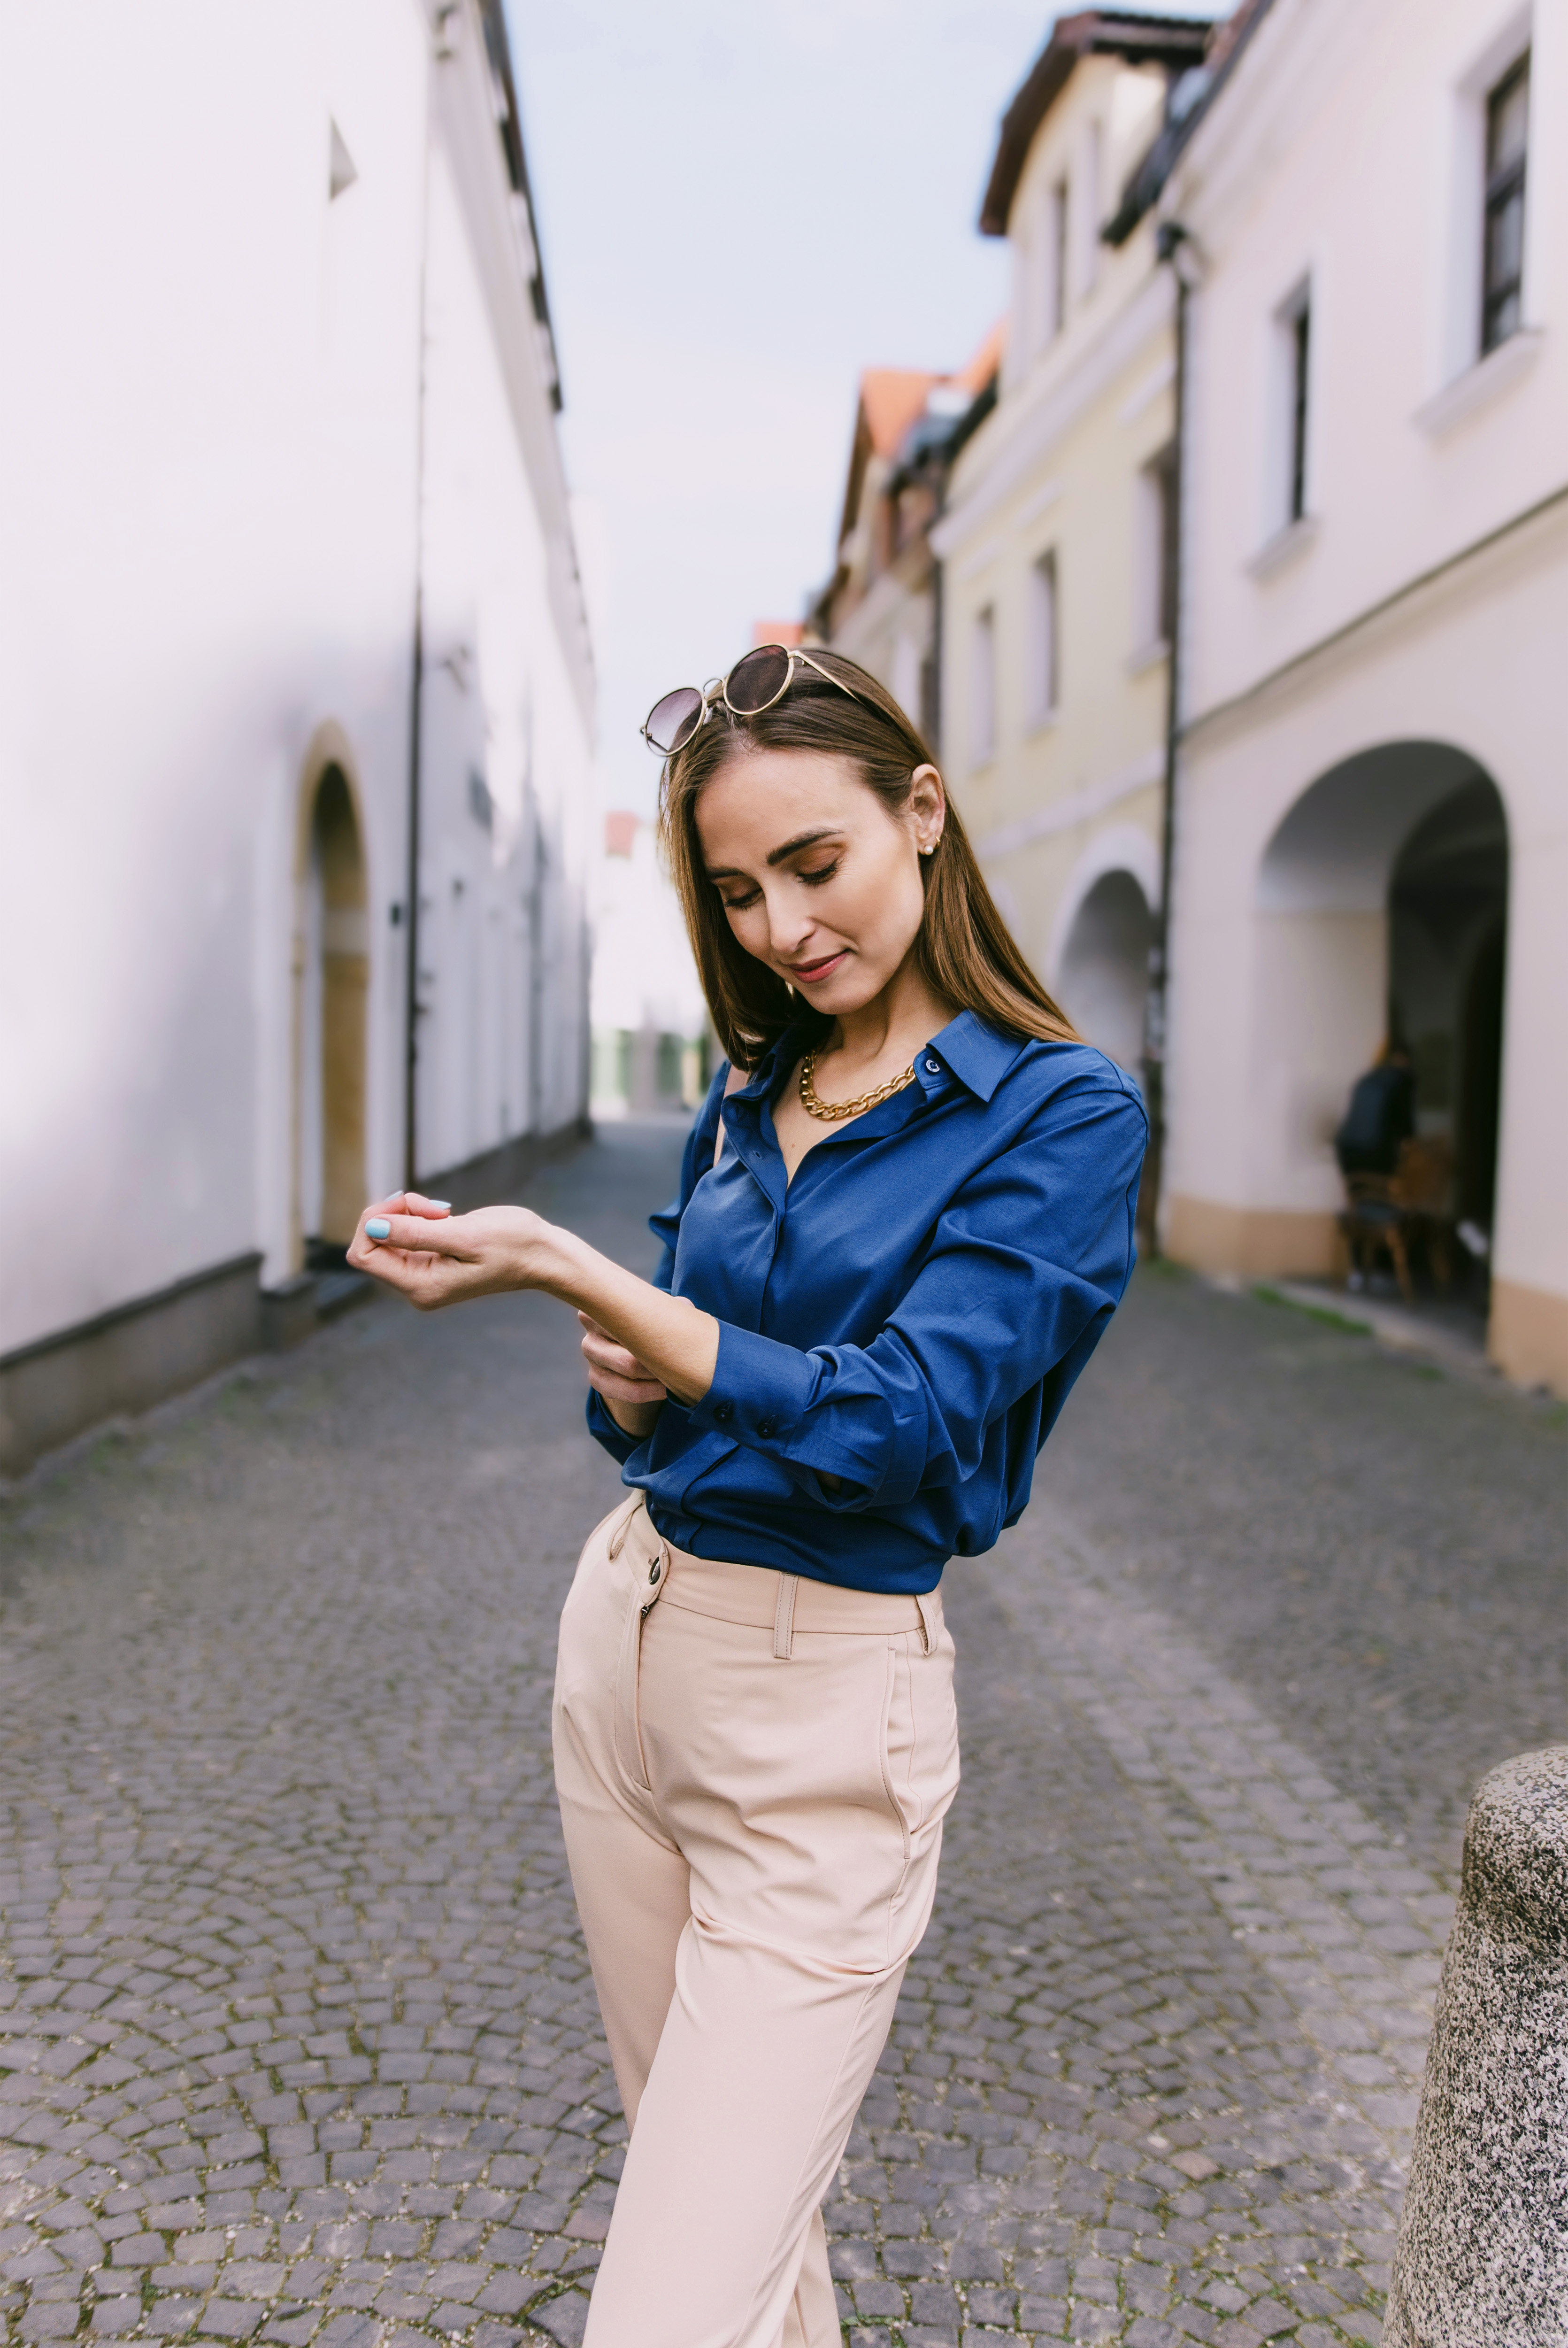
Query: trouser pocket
<point x="644" y="1588"/>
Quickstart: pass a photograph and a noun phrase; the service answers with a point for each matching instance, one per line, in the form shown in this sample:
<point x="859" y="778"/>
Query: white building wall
<point x="1343" y="154"/>
<point x="209" y="476"/>
<point x="1339" y="157"/>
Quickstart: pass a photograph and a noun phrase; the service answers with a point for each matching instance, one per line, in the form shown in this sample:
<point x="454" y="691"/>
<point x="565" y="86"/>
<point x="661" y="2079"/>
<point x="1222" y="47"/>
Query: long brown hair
<point x="965" y="952"/>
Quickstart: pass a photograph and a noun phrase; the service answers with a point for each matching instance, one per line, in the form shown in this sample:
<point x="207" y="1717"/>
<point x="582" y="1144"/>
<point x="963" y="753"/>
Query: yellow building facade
<point x="1057" y="583"/>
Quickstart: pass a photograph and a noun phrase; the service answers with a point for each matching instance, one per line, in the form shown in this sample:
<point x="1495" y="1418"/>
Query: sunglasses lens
<point x="672" y="722"/>
<point x="758" y="679"/>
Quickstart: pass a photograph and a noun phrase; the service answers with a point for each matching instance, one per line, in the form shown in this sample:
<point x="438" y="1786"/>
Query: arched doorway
<point x="335" y="974"/>
<point x="1382" y="904"/>
<point x="1448" y="915"/>
<point x="1103" y="975"/>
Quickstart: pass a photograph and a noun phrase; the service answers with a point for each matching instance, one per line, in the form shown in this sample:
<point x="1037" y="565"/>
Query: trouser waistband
<point x="765" y="1599"/>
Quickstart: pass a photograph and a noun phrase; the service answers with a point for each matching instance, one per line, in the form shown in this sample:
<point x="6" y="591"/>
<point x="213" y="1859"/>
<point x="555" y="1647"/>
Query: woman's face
<point x="818" y="880"/>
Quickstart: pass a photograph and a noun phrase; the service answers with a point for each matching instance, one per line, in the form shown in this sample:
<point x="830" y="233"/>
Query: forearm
<point x="637" y="1419"/>
<point x="677" y="1343"/>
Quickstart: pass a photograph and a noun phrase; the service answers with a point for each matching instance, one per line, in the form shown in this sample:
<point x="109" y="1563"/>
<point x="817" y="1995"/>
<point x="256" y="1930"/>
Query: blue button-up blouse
<point x="906" y="1316"/>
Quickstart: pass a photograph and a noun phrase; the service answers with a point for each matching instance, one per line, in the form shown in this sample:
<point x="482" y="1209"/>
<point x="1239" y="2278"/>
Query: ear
<point x="926" y="807"/>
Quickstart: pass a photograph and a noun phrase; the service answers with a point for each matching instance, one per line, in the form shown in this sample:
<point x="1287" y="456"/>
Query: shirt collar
<point x="977" y="1054"/>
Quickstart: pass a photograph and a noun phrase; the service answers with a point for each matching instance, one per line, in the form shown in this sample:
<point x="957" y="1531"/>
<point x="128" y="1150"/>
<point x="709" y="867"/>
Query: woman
<point x="905" y="1218"/>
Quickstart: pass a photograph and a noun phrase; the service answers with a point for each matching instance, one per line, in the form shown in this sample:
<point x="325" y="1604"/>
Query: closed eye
<point x="813" y="879"/>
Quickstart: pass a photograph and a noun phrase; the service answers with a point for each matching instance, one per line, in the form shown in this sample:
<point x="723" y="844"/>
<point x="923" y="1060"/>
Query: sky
<point x="741" y="206"/>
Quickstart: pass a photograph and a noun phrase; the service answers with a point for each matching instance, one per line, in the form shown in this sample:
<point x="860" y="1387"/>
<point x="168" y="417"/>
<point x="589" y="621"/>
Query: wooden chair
<point x="1384" y="1212"/>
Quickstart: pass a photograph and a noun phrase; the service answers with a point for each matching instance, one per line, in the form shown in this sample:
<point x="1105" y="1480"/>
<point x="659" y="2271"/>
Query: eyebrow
<point x="776" y="856"/>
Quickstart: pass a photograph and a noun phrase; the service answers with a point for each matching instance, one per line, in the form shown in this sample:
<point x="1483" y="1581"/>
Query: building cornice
<point x="1065" y="815"/>
<point x="1027" y="424"/>
<point x="466" y="112"/>
<point x="1298" y="667"/>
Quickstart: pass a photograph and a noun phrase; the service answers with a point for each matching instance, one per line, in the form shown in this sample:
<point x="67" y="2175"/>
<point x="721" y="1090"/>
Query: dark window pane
<point x="1502" y="271"/>
<point x="1505" y="241"/>
<point x="1165" y="482"/>
<point x="1508" y="119"/>
<point x="1301" y="335"/>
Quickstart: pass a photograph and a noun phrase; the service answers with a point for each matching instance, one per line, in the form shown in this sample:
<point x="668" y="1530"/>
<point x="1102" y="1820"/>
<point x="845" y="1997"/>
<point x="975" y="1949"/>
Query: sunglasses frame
<point x="718" y="689"/>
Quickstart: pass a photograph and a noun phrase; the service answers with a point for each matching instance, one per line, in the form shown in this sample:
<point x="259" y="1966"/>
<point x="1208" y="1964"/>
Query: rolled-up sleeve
<point x="1029" y="1256"/>
<point x="665" y="1226"/>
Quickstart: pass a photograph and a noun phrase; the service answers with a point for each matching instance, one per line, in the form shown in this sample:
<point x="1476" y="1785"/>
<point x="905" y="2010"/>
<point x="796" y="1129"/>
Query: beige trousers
<point x="753" y="1772"/>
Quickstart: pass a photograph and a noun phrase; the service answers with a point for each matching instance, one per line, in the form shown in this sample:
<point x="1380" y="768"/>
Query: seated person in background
<point x="1381" y="1114"/>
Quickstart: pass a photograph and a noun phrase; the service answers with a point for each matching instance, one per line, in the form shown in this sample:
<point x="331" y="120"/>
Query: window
<point x="1502" y="264"/>
<point x="1292" y="382"/>
<point x="1056" y="257"/>
<point x="1300" y="327"/>
<point x="983" y="688"/>
<point x="1092" y="204"/>
<point x="1156" y="621"/>
<point x="1042" y="641"/>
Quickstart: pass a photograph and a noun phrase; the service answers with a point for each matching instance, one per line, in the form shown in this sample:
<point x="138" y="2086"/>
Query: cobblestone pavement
<point x="297" y="2041"/>
<point x="1370" y="1545"/>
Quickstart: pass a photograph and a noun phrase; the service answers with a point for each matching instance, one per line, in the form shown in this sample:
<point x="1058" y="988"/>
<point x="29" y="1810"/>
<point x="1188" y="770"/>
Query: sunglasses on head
<point x="758" y="679"/>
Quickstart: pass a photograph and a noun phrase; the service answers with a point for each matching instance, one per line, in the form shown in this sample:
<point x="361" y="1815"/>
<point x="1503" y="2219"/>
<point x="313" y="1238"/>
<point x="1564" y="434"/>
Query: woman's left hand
<point x="446" y="1259"/>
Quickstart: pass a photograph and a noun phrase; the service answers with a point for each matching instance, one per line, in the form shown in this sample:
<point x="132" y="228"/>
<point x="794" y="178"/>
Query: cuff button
<point x="723" y="1411"/>
<point x="766" y="1426"/>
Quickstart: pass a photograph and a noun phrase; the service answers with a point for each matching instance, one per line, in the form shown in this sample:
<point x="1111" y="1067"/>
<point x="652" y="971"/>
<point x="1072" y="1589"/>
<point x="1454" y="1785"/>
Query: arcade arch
<point x="1104" y="979"/>
<point x="1382" y="905"/>
<point x="1098" y="959"/>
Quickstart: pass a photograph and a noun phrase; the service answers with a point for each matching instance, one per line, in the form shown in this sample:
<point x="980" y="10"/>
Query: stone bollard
<point x="1482" y="2257"/>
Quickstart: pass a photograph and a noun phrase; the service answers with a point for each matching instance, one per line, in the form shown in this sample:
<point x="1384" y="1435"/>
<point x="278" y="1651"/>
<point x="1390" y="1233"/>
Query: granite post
<point x="1482" y="2257"/>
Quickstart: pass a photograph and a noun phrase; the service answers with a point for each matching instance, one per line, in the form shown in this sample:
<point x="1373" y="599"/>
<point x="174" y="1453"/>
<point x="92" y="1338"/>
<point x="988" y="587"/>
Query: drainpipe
<point x="412" y="1008"/>
<point x="1170" y="238"/>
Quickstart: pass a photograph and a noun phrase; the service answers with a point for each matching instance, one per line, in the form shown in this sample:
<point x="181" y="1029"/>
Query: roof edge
<point x="1173" y="42"/>
<point x="1147" y="182"/>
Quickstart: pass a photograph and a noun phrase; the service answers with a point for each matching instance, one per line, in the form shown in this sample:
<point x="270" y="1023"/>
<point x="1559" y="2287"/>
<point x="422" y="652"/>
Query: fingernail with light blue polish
<point x="378" y="1228"/>
<point x="444" y="1205"/>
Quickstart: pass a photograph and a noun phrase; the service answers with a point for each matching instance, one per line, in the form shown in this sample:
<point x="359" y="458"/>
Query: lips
<point x="811" y="974"/>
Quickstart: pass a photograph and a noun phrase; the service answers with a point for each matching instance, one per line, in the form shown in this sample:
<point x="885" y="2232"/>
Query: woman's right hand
<point x="630" y="1392"/>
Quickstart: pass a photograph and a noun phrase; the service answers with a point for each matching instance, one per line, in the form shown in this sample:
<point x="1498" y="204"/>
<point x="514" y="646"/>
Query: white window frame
<point x="1279" y="454"/>
<point x="1057" y="256"/>
<point x="1461" y="257"/>
<point x="983" y="686"/>
<point x="1150" y="640"/>
<point x="1042" y="605"/>
<point x="1090" y="203"/>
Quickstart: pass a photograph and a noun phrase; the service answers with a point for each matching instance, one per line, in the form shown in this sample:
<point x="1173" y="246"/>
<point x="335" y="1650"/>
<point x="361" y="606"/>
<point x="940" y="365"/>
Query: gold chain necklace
<point x="830" y="1112"/>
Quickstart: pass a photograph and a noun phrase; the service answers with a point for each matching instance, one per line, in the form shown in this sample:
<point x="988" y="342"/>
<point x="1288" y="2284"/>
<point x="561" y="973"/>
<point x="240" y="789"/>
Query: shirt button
<point x="654" y="1570"/>
<point x="934" y="1067"/>
<point x="723" y="1411"/>
<point x="766" y="1426"/>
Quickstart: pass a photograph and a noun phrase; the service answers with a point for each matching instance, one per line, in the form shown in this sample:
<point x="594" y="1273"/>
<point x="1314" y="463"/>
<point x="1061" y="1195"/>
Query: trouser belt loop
<point x="617" y="1540"/>
<point x="784" y="1617"/>
<point x="927" y="1603"/>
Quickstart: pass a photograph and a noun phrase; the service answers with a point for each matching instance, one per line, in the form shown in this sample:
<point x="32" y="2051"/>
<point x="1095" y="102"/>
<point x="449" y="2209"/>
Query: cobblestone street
<point x="297" y="2038"/>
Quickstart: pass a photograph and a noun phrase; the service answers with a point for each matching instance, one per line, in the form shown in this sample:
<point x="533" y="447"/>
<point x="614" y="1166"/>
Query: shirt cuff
<point x="761" y="1389"/>
<point x="604" y="1429"/>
